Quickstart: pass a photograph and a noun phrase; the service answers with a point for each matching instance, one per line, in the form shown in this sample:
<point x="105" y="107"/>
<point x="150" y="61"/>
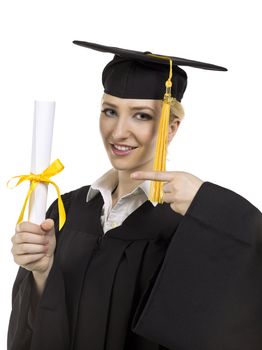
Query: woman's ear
<point x="172" y="129"/>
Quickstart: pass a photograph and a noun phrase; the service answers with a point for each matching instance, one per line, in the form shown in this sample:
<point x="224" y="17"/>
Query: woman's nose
<point x="121" y="129"/>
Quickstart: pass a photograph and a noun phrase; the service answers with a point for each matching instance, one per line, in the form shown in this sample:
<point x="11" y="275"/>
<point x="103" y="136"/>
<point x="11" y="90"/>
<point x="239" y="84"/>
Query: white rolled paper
<point x="44" y="114"/>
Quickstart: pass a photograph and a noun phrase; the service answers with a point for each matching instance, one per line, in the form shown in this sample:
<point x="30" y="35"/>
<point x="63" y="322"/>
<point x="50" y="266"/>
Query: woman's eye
<point x="143" y="116"/>
<point x="109" y="112"/>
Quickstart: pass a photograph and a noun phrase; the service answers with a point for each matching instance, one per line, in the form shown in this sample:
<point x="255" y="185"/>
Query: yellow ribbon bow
<point x="53" y="169"/>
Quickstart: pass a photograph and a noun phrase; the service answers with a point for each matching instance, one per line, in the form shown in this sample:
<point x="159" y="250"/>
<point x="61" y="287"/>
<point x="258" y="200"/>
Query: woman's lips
<point x="119" y="152"/>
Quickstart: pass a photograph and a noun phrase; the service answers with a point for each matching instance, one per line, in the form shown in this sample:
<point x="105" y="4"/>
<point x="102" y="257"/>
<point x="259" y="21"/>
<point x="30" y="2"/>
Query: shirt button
<point x="114" y="224"/>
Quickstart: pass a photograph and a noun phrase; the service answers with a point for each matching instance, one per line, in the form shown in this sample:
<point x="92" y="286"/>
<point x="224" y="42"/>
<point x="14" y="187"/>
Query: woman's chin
<point x="121" y="166"/>
<point x="128" y="166"/>
<point x="122" y="163"/>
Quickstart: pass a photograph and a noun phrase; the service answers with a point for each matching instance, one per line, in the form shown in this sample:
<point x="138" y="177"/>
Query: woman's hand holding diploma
<point x="179" y="190"/>
<point x="34" y="242"/>
<point x="33" y="249"/>
<point x="34" y="245"/>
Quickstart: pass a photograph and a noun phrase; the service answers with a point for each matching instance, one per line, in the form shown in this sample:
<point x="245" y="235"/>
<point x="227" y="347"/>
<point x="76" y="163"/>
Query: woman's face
<point x="129" y="129"/>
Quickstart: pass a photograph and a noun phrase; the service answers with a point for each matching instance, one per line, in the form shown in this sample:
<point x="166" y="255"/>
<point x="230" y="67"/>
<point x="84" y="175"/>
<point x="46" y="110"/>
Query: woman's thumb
<point x="47" y="225"/>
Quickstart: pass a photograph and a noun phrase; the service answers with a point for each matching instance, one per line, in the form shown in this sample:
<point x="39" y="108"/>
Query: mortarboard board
<point x="143" y="75"/>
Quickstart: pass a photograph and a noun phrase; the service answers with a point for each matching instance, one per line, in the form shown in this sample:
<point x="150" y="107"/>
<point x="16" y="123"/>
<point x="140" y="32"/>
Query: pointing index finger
<point x="153" y="175"/>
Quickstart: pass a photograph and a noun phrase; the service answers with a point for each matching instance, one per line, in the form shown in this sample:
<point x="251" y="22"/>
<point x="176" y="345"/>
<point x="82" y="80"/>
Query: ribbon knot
<point x="44" y="177"/>
<point x="36" y="178"/>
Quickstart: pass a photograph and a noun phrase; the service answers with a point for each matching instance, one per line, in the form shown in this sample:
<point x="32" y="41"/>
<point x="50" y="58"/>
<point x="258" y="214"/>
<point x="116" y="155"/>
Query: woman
<point x="126" y="272"/>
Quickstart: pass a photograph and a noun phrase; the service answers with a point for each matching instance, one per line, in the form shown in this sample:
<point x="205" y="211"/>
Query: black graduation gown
<point x="158" y="281"/>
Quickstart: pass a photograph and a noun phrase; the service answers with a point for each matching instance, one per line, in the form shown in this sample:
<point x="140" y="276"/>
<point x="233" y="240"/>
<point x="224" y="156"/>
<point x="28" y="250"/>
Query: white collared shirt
<point x="113" y="217"/>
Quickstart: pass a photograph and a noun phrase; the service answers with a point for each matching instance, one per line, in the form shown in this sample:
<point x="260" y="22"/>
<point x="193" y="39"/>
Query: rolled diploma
<point x="44" y="113"/>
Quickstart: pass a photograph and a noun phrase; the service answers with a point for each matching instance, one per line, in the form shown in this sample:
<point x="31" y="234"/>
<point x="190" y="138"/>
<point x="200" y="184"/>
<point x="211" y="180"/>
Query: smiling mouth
<point x="121" y="150"/>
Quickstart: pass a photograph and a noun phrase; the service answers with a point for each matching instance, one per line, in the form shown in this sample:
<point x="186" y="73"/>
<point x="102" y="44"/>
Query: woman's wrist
<point x="40" y="278"/>
<point x="37" y="290"/>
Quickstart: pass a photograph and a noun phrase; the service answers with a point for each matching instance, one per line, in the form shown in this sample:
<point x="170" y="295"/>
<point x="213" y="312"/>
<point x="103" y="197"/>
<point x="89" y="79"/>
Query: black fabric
<point x="134" y="74"/>
<point x="158" y="281"/>
<point x="127" y="78"/>
<point x="208" y="294"/>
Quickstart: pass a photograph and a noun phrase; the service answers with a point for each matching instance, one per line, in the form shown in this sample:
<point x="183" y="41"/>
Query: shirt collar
<point x="108" y="182"/>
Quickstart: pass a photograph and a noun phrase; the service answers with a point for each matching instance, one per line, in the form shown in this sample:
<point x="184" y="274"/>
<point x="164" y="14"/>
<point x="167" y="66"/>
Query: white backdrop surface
<point x="219" y="140"/>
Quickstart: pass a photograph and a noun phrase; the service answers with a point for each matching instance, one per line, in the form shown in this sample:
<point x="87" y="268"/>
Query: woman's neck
<point x="126" y="184"/>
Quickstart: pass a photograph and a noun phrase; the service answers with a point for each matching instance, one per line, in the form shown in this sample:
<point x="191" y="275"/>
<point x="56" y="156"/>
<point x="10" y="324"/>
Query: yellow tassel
<point x="156" y="187"/>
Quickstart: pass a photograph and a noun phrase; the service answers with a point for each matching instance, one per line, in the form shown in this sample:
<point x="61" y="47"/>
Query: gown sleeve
<point x="20" y="326"/>
<point x="208" y="292"/>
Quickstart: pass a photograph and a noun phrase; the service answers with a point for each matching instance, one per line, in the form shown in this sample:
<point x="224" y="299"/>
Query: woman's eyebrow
<point x="109" y="104"/>
<point x="132" y="108"/>
<point x="142" y="107"/>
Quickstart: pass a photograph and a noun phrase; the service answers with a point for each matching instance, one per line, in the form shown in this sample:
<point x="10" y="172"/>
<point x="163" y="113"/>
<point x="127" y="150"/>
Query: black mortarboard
<point x="134" y="74"/>
<point x="143" y="75"/>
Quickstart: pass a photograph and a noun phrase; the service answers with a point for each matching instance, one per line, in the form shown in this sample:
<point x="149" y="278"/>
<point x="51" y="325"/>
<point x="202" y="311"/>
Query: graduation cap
<point x="143" y="75"/>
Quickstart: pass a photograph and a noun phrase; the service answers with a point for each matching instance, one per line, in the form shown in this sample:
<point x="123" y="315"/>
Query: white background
<point x="219" y="140"/>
